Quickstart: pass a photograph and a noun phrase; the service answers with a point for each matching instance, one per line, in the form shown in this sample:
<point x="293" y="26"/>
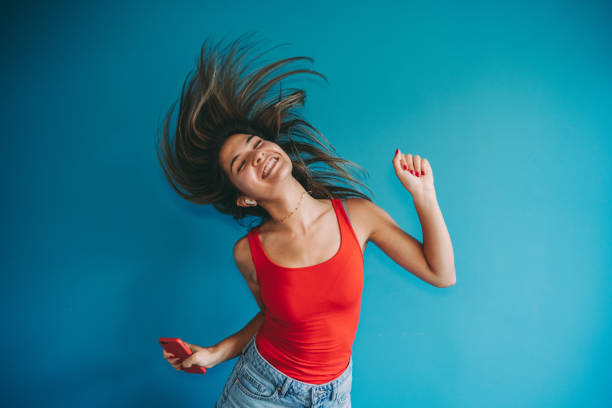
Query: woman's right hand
<point x="174" y="361"/>
<point x="202" y="356"/>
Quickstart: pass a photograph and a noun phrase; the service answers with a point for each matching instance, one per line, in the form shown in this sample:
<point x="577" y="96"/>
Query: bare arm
<point x="232" y="346"/>
<point x="379" y="227"/>
<point x="437" y="245"/>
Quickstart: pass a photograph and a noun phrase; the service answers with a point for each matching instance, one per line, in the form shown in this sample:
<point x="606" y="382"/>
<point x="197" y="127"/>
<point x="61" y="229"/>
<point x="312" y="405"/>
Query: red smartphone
<point x="180" y="350"/>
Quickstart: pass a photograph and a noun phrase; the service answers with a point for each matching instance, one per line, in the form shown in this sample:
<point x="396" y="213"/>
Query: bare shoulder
<point x="244" y="260"/>
<point x="365" y="215"/>
<point x="359" y="204"/>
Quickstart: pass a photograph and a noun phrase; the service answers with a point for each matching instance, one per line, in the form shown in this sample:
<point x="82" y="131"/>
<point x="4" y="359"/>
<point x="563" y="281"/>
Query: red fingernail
<point x="417" y="174"/>
<point x="396" y="151"/>
<point x="422" y="172"/>
<point x="411" y="171"/>
<point x="405" y="167"/>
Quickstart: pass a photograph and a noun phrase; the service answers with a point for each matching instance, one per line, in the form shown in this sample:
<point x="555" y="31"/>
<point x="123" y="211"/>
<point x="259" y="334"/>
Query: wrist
<point x="218" y="351"/>
<point x="425" y="198"/>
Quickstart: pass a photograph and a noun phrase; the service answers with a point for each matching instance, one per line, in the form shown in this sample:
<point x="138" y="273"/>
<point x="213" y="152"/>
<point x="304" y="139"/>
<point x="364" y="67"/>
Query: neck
<point x="294" y="195"/>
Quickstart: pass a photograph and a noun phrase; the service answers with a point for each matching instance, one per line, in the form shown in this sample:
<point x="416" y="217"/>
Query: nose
<point x="259" y="156"/>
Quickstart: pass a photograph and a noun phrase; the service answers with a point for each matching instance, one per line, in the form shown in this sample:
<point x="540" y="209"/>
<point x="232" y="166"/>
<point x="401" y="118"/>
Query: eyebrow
<point x="236" y="156"/>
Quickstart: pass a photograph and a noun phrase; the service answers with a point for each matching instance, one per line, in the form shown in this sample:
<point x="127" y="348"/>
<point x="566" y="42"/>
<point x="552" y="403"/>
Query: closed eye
<point x="243" y="162"/>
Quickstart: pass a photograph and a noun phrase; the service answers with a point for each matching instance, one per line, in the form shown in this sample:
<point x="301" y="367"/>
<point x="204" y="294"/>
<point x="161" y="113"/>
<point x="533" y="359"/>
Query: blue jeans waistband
<point x="284" y="382"/>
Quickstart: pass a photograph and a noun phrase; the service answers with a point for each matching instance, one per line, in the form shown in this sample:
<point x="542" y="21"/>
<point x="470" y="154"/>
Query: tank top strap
<point x="345" y="223"/>
<point x="257" y="253"/>
<point x="340" y="213"/>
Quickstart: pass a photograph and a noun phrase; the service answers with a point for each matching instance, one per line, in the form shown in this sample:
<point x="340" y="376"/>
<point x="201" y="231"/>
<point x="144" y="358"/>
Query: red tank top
<point x="312" y="312"/>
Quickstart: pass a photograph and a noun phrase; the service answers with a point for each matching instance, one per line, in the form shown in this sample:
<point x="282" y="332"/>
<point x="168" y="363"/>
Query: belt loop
<point x="334" y="392"/>
<point x="282" y="390"/>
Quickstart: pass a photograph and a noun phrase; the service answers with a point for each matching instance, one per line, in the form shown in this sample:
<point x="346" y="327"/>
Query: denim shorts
<point x="254" y="382"/>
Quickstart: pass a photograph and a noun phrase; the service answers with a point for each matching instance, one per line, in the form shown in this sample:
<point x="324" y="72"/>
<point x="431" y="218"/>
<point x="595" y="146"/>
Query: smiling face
<point x="255" y="166"/>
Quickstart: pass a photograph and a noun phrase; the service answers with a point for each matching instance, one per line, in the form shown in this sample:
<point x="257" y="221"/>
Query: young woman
<point x="254" y="157"/>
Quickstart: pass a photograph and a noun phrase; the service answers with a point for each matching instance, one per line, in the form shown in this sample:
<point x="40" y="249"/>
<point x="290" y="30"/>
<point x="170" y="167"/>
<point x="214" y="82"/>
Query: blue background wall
<point x="511" y="103"/>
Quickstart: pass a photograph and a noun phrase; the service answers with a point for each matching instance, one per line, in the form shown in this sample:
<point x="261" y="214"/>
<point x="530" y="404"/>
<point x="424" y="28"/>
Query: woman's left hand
<point x="415" y="173"/>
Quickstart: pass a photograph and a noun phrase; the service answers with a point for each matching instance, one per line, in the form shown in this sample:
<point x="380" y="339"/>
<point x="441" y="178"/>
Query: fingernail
<point x="405" y="167"/>
<point x="396" y="151"/>
<point x="422" y="172"/>
<point x="411" y="171"/>
<point x="417" y="174"/>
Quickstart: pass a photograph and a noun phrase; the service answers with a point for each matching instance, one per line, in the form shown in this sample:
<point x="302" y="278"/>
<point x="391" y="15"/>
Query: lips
<point x="269" y="165"/>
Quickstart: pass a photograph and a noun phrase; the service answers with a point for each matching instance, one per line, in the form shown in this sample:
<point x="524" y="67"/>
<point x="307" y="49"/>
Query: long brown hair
<point x="217" y="102"/>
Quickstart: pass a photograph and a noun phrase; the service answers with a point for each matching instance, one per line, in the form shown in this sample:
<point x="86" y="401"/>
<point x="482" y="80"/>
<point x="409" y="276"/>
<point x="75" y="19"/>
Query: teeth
<point x="269" y="166"/>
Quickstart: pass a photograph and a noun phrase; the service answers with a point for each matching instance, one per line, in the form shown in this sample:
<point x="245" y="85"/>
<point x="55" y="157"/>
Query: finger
<point x="397" y="164"/>
<point x="416" y="160"/>
<point x="405" y="166"/>
<point x="408" y="160"/>
<point x="425" y="166"/>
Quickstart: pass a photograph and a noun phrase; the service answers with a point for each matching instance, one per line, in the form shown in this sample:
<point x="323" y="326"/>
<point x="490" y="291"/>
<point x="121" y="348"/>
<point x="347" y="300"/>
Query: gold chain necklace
<point x="296" y="208"/>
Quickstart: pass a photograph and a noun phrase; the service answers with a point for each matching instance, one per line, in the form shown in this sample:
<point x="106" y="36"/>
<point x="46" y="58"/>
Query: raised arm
<point x="405" y="250"/>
